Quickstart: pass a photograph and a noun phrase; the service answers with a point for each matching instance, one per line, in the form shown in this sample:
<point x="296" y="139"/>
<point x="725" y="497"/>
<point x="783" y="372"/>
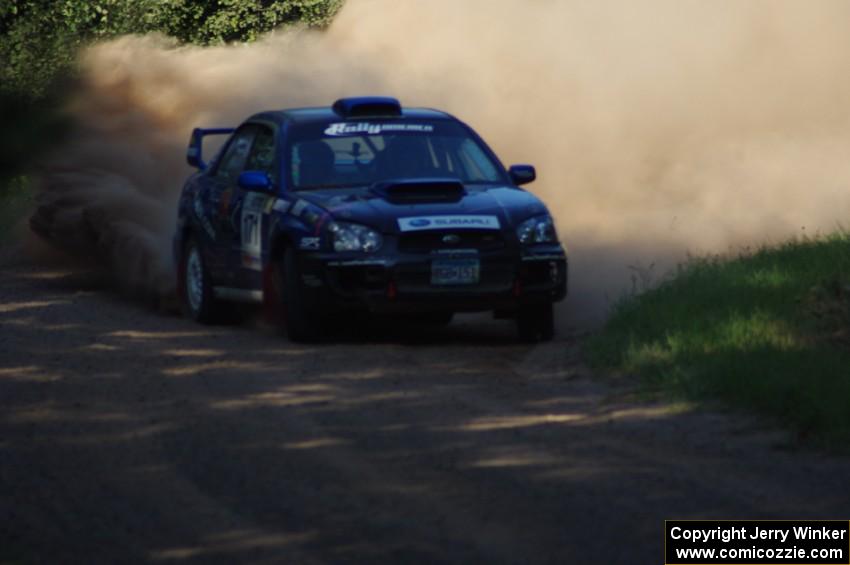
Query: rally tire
<point x="298" y="309"/>
<point x="536" y="323"/>
<point x="197" y="298"/>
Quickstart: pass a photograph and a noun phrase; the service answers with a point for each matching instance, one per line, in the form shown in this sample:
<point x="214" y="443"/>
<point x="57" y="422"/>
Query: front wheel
<point x="197" y="296"/>
<point x="536" y="323"/>
<point x="296" y="308"/>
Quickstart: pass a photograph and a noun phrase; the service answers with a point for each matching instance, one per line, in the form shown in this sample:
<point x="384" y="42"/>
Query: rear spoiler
<point x="195" y="151"/>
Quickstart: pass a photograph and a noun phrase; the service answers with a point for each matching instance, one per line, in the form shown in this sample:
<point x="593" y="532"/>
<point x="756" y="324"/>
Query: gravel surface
<point x="130" y="435"/>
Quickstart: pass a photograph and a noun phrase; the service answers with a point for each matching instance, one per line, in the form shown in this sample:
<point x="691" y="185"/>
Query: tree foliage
<point x="40" y="39"/>
<point x="225" y="21"/>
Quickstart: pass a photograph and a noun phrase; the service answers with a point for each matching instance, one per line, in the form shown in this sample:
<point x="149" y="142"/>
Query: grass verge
<point x="767" y="331"/>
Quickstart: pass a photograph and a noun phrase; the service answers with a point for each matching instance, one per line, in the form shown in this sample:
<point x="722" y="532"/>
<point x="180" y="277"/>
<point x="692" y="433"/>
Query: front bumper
<point x="399" y="283"/>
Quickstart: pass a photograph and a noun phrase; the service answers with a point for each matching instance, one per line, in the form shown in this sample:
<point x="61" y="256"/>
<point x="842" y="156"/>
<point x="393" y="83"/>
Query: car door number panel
<point x="253" y="210"/>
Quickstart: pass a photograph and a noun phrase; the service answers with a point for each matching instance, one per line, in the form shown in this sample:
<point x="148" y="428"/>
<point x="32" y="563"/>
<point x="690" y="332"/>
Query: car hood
<point x="367" y="206"/>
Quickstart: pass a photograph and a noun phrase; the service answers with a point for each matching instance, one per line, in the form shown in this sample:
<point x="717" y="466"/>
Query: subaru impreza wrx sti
<point x="369" y="206"/>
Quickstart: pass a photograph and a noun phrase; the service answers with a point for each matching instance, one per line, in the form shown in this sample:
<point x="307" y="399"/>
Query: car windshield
<point x="362" y="153"/>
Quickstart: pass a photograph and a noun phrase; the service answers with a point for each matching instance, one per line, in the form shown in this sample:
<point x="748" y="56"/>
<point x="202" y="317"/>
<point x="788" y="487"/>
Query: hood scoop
<point x="420" y="191"/>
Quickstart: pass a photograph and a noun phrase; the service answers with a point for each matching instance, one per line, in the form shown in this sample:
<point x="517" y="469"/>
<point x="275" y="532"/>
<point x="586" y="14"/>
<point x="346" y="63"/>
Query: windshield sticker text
<point x="342" y="129"/>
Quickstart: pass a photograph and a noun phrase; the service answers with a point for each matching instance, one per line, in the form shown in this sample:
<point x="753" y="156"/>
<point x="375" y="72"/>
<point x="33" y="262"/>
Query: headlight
<point x="354" y="237"/>
<point x="539" y="229"/>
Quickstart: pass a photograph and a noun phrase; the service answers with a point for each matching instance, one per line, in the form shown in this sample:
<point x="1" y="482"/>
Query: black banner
<point x="757" y="542"/>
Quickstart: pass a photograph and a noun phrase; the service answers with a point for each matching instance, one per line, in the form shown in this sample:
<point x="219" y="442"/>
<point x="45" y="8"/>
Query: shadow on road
<point x="129" y="435"/>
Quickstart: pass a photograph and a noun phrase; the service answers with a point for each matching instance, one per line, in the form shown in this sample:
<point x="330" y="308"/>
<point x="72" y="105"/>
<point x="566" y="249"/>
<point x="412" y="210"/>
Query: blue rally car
<point x="368" y="206"/>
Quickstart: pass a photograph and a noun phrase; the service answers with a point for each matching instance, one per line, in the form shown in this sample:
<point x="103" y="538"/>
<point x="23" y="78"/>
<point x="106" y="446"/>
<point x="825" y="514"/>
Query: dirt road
<point x="134" y="436"/>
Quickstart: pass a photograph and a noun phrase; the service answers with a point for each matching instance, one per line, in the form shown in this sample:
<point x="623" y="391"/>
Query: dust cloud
<point x="659" y="127"/>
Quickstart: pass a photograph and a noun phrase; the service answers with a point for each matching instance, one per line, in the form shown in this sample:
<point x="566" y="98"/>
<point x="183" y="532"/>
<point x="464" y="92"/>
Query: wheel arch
<point x="278" y="244"/>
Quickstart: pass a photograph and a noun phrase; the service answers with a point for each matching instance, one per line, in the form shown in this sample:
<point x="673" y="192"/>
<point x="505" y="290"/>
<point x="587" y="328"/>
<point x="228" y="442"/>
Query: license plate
<point x="455" y="271"/>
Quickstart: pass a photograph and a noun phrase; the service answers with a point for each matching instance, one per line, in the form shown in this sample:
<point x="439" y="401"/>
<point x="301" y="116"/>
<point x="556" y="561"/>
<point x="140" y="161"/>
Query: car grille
<point x="425" y="241"/>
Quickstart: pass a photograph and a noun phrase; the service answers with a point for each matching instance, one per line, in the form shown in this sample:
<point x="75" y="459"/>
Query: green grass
<point x="767" y="331"/>
<point x="16" y="202"/>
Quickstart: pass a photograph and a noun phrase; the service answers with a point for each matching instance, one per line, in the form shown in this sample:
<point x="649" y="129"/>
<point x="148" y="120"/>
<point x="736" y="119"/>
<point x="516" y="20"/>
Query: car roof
<point x="326" y="114"/>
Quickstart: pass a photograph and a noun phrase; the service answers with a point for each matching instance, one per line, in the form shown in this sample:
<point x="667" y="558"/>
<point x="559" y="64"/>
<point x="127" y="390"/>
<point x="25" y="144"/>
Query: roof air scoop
<point x="367" y="107"/>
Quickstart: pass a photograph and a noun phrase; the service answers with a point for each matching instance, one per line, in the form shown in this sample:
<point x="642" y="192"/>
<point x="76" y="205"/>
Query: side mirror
<point x="522" y="174"/>
<point x="255" y="181"/>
